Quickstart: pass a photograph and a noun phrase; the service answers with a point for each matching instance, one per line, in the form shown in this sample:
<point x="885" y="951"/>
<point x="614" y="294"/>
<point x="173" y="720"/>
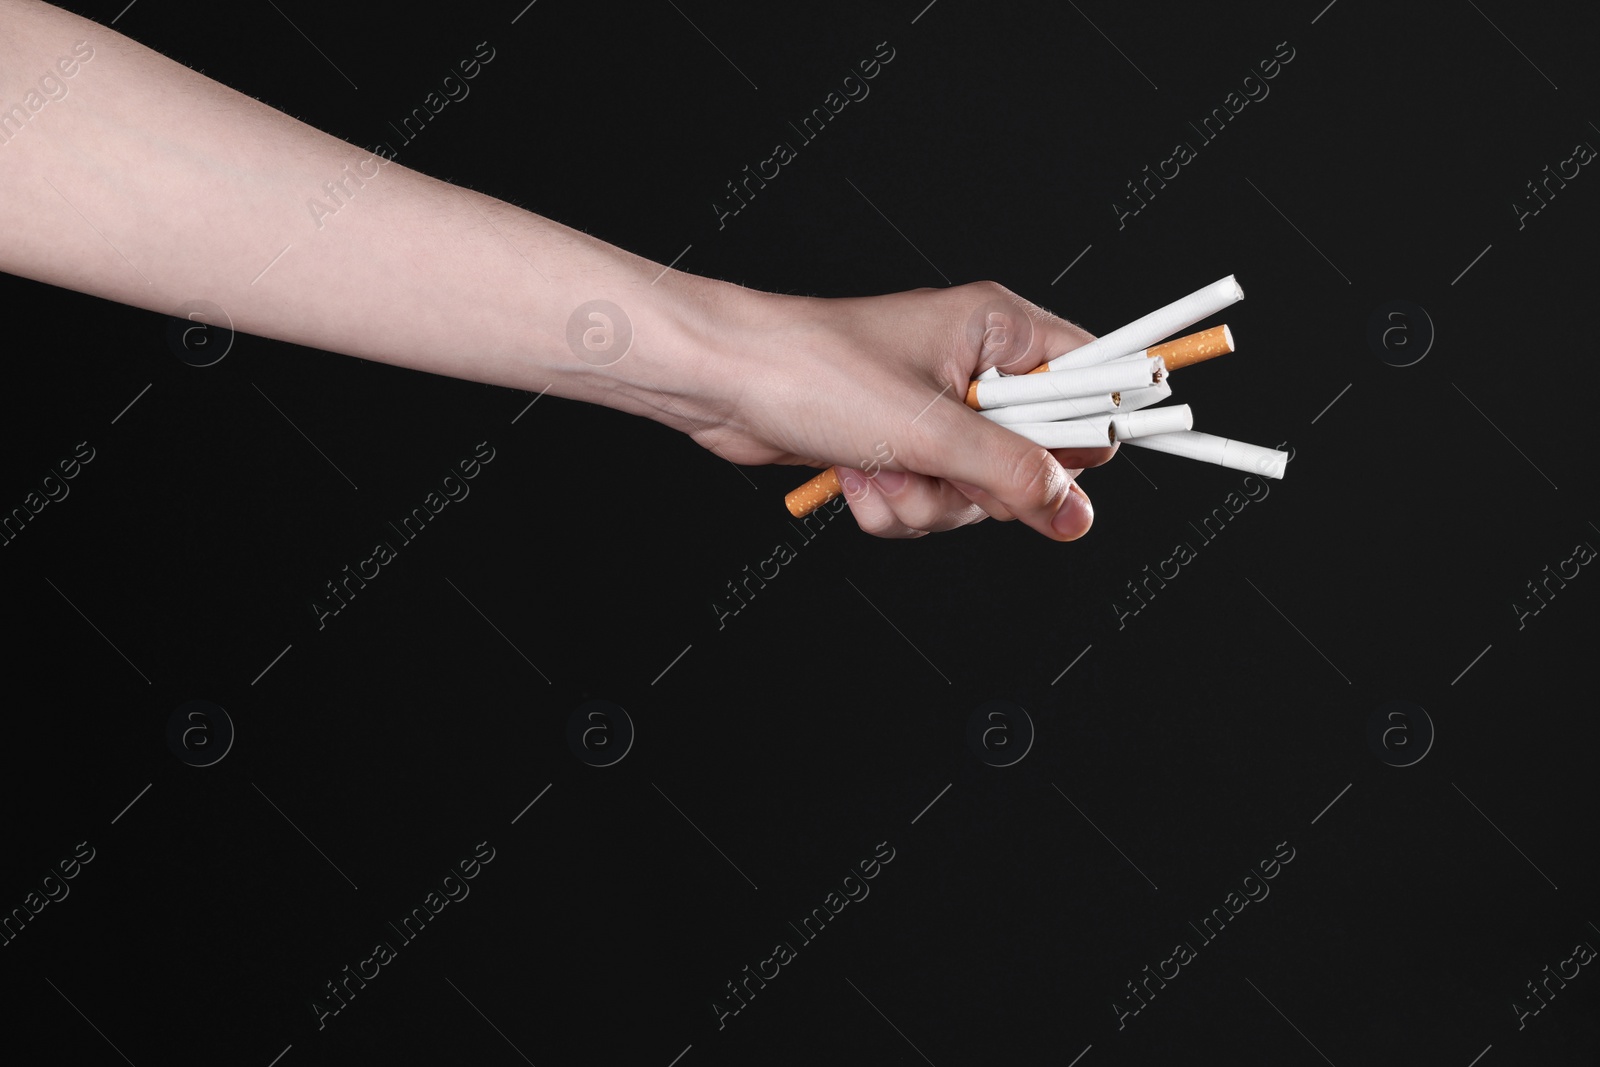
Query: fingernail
<point x="1075" y="517"/>
<point x="852" y="484"/>
<point x="890" y="481"/>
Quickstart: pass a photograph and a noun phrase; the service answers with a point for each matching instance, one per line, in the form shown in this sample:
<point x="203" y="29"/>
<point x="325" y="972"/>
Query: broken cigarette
<point x="1135" y="424"/>
<point x="815" y="493"/>
<point x="1133" y="399"/>
<point x="1092" y="432"/>
<point x="1186" y="351"/>
<point x="1148" y="329"/>
<point x="1066" y="384"/>
<point x="1073" y="407"/>
<point x="1183" y="352"/>
<point x="1208" y="448"/>
<point x="1101" y="431"/>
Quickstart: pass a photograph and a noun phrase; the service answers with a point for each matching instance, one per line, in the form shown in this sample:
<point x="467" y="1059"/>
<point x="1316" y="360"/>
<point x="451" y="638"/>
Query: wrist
<point x="681" y="350"/>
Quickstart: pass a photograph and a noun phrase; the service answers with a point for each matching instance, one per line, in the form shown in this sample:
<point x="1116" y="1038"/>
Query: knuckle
<point x="921" y="511"/>
<point x="986" y="289"/>
<point x="968" y="516"/>
<point x="877" y="525"/>
<point x="1037" y="480"/>
<point x="946" y="515"/>
<point x="877" y="521"/>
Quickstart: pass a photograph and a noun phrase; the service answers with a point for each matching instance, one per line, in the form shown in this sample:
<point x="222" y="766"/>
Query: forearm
<point x="128" y="176"/>
<point x="145" y="182"/>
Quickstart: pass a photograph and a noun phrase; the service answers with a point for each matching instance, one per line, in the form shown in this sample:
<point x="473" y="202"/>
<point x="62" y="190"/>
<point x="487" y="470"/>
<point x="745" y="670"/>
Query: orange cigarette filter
<point x="815" y="493"/>
<point x="1183" y="352"/>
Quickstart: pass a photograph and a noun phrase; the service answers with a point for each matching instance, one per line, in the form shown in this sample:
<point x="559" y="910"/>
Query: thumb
<point x="992" y="465"/>
<point x="1004" y="473"/>
<point x="1014" y="335"/>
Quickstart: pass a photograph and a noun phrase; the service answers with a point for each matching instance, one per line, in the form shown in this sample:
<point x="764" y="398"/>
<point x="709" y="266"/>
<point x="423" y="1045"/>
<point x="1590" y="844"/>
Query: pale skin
<point x="142" y="181"/>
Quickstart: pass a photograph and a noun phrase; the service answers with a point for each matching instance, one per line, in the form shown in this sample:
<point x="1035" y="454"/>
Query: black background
<point x="831" y="714"/>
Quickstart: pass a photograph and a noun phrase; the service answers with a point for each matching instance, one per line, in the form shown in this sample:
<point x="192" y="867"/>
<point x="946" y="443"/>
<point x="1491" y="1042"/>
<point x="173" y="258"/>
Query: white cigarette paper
<point x="1065" y="384"/>
<point x="1208" y="448"/>
<point x="1134" y="399"/>
<point x="1093" y="432"/>
<point x="1148" y="330"/>
<point x="1097" y="431"/>
<point x="1076" y="407"/>
<point x="1151" y="422"/>
<point x="1154" y="327"/>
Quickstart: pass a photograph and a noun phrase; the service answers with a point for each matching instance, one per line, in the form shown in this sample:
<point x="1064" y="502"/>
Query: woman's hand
<point x="876" y="386"/>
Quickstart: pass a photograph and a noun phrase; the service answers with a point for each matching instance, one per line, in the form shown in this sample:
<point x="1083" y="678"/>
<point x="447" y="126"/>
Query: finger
<point x="1082" y="515"/>
<point x="1015" y="335"/>
<point x="1064" y="456"/>
<point x="924" y="503"/>
<point x="992" y="507"/>
<point x="957" y="443"/>
<point x="871" y="508"/>
<point x="1080" y="458"/>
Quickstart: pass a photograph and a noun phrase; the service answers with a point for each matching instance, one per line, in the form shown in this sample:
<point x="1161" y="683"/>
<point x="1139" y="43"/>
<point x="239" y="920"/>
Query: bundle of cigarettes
<point x="1105" y="391"/>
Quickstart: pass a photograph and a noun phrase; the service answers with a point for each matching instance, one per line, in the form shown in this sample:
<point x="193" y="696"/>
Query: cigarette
<point x="1149" y="329"/>
<point x="1078" y="407"/>
<point x="815" y="493"/>
<point x="1066" y="384"/>
<point x="1130" y="399"/>
<point x="1162" y="322"/>
<point x="1075" y="407"/>
<point x="1185" y="351"/>
<point x="1100" y="431"/>
<point x="1092" y="432"/>
<point x="1174" y="419"/>
<point x="1208" y="448"/>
